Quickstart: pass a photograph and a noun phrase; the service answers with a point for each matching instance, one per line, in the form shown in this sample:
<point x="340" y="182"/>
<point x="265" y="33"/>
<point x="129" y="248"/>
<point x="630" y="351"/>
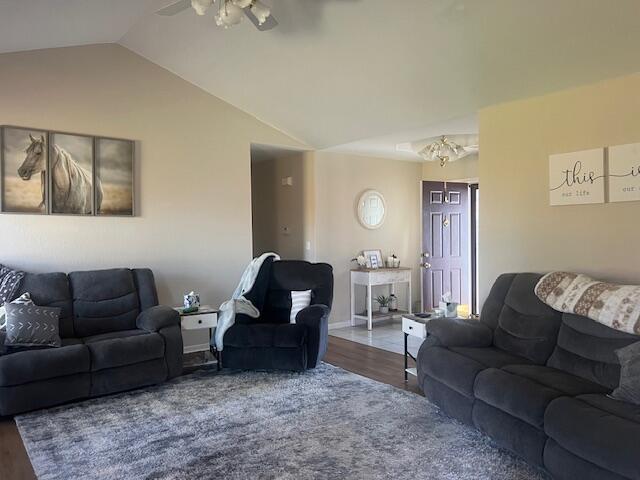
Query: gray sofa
<point x="536" y="381"/>
<point x="115" y="337"/>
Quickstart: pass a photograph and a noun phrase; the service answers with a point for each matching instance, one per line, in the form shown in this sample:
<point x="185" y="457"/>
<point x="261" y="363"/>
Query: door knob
<point x="425" y="265"/>
<point x="425" y="254"/>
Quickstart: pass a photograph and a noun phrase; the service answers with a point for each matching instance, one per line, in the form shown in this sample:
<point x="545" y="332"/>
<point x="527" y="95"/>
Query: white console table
<point x="380" y="276"/>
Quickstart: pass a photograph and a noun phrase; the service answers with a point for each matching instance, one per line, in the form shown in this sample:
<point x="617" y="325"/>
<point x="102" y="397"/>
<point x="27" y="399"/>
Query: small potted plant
<point x="383" y="302"/>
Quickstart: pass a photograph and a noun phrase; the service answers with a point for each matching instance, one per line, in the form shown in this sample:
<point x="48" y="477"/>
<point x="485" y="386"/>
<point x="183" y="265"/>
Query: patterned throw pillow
<point x="25" y="299"/>
<point x="629" y="388"/>
<point x="9" y="282"/>
<point x="32" y="326"/>
<point x="299" y="300"/>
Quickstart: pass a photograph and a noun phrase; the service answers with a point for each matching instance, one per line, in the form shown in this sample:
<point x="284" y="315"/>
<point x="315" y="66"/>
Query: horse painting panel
<point x="24" y="170"/>
<point x="71" y="171"/>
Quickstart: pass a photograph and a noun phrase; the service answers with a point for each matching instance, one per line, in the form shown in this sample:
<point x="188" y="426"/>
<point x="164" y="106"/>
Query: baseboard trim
<point x="203" y="347"/>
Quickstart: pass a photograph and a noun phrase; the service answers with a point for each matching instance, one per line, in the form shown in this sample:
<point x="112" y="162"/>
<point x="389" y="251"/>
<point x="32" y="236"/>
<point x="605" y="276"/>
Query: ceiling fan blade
<point x="267" y="25"/>
<point x="175" y="8"/>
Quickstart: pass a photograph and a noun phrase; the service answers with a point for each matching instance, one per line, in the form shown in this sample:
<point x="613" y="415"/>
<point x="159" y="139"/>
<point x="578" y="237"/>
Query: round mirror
<point x="371" y="209"/>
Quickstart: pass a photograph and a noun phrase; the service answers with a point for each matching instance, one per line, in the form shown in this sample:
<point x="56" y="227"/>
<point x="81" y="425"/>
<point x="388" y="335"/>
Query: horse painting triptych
<point x="59" y="173"/>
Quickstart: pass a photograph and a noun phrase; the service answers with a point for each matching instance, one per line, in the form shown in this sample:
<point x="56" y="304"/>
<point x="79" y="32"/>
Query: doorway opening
<point x="449" y="258"/>
<point x="282" y="202"/>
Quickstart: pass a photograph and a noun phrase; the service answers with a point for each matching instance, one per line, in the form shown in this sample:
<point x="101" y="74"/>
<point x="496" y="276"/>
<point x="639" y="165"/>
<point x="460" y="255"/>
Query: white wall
<point x="193" y="166"/>
<point x="519" y="230"/>
<point x="340" y="179"/>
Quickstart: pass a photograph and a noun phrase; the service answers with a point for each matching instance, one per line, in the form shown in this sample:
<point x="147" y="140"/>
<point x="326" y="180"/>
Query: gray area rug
<point x="325" y="423"/>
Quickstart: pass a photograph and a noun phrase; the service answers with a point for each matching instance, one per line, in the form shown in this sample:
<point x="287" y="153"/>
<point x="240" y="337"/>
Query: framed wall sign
<point x="624" y="173"/>
<point x="577" y="178"/>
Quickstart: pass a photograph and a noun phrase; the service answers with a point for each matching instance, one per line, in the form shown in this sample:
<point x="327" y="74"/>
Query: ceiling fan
<point x="229" y="11"/>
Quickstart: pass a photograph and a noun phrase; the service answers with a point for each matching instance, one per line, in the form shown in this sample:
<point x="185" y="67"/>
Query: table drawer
<point x="385" y="277"/>
<point x="413" y="328"/>
<point x="195" y="322"/>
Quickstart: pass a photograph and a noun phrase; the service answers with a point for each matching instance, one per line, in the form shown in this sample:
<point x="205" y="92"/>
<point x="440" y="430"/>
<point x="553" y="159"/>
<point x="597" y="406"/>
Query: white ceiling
<point x="359" y="74"/>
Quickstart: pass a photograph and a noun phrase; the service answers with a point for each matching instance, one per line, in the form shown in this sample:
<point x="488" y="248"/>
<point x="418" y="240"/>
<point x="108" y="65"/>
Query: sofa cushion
<point x="51" y="290"/>
<point x="598" y="429"/>
<point x="525" y="391"/>
<point x="524" y="326"/>
<point x="41" y="364"/>
<point x="104" y="301"/>
<point x="629" y="389"/>
<point x="117" y="349"/>
<point x="266" y="335"/>
<point x="457" y="367"/>
<point x="587" y="349"/>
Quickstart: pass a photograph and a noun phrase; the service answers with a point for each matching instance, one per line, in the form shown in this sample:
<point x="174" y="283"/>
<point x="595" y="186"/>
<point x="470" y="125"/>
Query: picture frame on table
<point x="374" y="258"/>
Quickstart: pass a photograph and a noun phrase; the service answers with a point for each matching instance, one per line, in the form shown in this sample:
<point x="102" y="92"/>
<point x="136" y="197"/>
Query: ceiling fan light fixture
<point x="201" y="6"/>
<point x="260" y="10"/>
<point x="228" y="14"/>
<point x="242" y="3"/>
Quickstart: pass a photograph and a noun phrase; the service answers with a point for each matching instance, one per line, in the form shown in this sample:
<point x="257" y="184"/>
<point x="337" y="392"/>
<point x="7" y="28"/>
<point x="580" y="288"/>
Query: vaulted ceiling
<point x="358" y="75"/>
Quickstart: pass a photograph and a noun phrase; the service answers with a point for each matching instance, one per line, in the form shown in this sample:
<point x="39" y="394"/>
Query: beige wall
<point x="276" y="206"/>
<point x="194" y="223"/>
<point x="340" y="179"/>
<point x="464" y="169"/>
<point x="519" y="231"/>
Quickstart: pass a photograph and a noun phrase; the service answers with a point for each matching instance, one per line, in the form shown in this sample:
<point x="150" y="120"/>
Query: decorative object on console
<point x="393" y="302"/>
<point x="30" y="325"/>
<point x="393" y="261"/>
<point x="360" y="260"/>
<point x="383" y="303"/>
<point x="615" y="306"/>
<point x="577" y="177"/>
<point x="373" y="258"/>
<point x="624" y="173"/>
<point x="371" y="209"/>
<point x="629" y="388"/>
<point x="58" y="173"/>
<point x="230" y="12"/>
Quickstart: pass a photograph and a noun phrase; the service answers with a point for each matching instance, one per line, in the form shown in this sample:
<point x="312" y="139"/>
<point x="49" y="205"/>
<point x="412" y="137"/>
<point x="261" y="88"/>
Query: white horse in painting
<point x="72" y="192"/>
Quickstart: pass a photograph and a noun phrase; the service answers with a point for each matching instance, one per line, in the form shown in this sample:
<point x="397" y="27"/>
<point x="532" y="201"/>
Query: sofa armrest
<point x="156" y="318"/>
<point x="316" y="319"/>
<point x="455" y="332"/>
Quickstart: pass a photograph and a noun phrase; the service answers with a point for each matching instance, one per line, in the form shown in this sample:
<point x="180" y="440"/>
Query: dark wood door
<point x="445" y="262"/>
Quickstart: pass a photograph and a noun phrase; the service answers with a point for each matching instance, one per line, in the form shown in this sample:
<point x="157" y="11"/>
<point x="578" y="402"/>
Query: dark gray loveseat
<point x="115" y="337"/>
<point x="536" y="381"/>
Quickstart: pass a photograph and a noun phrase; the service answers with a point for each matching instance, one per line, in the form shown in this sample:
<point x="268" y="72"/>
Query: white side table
<point x="416" y="327"/>
<point x="370" y="277"/>
<point x="205" y="317"/>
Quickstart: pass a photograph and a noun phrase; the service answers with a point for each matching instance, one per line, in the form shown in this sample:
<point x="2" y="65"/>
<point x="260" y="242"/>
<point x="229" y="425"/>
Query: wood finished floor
<point x="380" y="365"/>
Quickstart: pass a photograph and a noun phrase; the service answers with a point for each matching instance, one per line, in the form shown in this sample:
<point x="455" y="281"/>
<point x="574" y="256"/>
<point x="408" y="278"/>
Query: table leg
<point x="406" y="363"/>
<point x="353" y="304"/>
<point x="369" y="308"/>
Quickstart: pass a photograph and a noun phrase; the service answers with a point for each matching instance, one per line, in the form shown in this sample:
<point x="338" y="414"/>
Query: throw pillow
<point x="25" y="299"/>
<point x="629" y="388"/>
<point x="32" y="326"/>
<point x="9" y="281"/>
<point x="299" y="300"/>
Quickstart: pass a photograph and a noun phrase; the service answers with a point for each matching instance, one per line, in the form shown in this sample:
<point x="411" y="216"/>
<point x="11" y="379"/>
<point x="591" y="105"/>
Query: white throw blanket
<point x="238" y="303"/>
<point x="616" y="306"/>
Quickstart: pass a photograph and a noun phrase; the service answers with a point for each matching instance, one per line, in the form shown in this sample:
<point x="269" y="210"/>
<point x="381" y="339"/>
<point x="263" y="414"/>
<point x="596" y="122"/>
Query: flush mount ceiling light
<point x="230" y="12"/>
<point x="444" y="148"/>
